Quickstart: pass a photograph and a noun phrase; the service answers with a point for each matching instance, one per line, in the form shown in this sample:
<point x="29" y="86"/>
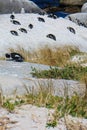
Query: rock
<point x="31" y="41"/>
<point x="72" y="2"/>
<point x="17" y="6"/>
<point x="84" y="8"/>
<point x="28" y="117"/>
<point x="16" y="78"/>
<point x="11" y="84"/>
<point x="78" y="18"/>
<point x="21" y="69"/>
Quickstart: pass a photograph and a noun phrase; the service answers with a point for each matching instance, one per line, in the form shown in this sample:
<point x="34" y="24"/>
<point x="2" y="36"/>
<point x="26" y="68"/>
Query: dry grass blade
<point x="1" y="97"/>
<point x="73" y="124"/>
<point x="3" y="122"/>
<point x="46" y="55"/>
<point x="41" y="93"/>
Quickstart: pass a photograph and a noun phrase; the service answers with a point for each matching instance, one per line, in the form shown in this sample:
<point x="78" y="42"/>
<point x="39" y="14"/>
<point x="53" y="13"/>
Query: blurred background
<point x="60" y="7"/>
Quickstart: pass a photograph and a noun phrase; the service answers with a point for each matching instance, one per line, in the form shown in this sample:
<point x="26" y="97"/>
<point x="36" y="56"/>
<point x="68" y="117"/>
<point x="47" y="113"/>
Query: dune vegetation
<point x="48" y="56"/>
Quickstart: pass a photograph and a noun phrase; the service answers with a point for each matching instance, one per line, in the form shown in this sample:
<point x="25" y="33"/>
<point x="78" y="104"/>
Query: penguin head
<point x="7" y="55"/>
<point x="12" y="16"/>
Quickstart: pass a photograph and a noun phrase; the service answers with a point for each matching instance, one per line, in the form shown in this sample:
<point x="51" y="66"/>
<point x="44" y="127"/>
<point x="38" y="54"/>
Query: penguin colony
<point x="77" y="21"/>
<point x="30" y="26"/>
<point x="16" y="56"/>
<point x="40" y="19"/>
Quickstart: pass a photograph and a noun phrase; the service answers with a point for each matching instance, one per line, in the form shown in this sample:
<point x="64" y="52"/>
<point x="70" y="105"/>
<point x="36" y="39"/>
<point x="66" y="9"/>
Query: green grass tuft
<point x="70" y="72"/>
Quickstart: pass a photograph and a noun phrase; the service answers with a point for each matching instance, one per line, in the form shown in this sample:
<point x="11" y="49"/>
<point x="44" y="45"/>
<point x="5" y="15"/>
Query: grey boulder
<point x="84" y="8"/>
<point x="78" y="18"/>
<point x="16" y="78"/>
<point x="17" y="6"/>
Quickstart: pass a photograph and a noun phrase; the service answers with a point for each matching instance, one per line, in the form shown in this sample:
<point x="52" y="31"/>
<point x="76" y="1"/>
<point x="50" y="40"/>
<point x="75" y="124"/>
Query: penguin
<point x="23" y="30"/>
<point x="52" y="16"/>
<point x="71" y="30"/>
<point x="14" y="57"/>
<point x="80" y="23"/>
<point x="51" y="36"/>
<point x="16" y="22"/>
<point x="30" y="26"/>
<point x="42" y="13"/>
<point x="41" y="19"/>
<point x="13" y="32"/>
<point x="70" y="18"/>
<point x="12" y="16"/>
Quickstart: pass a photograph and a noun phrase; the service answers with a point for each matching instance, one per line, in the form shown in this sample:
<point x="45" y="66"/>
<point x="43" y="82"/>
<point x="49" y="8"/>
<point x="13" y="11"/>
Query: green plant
<point x="71" y="71"/>
<point x="51" y="124"/>
<point x="43" y="97"/>
<point x="76" y="106"/>
<point x="10" y="104"/>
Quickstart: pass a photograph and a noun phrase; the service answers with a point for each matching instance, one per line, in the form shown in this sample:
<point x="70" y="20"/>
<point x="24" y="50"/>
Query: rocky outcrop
<point x="84" y="8"/>
<point x="18" y="6"/>
<point x="72" y="2"/>
<point x="17" y="77"/>
<point x="78" y="18"/>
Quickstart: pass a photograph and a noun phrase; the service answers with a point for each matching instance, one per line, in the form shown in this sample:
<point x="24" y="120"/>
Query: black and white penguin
<point x="12" y="16"/>
<point x="69" y="18"/>
<point x="30" y="26"/>
<point x="14" y="57"/>
<point x="51" y="36"/>
<point x="80" y="23"/>
<point x="23" y="30"/>
<point x="13" y="32"/>
<point x="52" y="16"/>
<point x="72" y="30"/>
<point x="42" y="13"/>
<point x="15" y="22"/>
<point x="41" y="19"/>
